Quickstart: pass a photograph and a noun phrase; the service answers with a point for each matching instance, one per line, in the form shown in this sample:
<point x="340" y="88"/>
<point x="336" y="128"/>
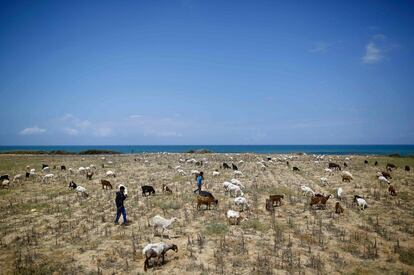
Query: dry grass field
<point x="46" y="228"/>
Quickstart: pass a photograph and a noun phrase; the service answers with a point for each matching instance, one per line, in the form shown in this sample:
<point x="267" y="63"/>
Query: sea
<point x="402" y="150"/>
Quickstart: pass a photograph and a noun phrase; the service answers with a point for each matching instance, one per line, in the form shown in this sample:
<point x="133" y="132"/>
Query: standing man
<point x="120" y="209"/>
<point x="199" y="179"/>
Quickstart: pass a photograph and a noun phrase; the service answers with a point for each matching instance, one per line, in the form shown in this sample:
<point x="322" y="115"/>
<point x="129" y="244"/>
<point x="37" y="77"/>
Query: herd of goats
<point x="234" y="187"/>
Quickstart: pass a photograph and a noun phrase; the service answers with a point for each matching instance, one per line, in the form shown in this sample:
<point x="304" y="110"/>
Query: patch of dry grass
<point x="49" y="229"/>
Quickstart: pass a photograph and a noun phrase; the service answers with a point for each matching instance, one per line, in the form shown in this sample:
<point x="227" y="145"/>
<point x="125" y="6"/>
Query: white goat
<point x="346" y="176"/>
<point x="82" y="170"/>
<point x="383" y="179"/>
<point x="17" y="177"/>
<point x="306" y="190"/>
<point x="362" y="204"/>
<point x="233" y="217"/>
<point x="156" y="250"/>
<point x="46" y="169"/>
<point x="241" y="202"/>
<point x="81" y="190"/>
<point x="5" y="183"/>
<point x="237" y="182"/>
<point x="110" y="174"/>
<point x="216" y="173"/>
<point x="328" y="170"/>
<point x="235" y="190"/>
<point x="163" y="223"/>
<point x="181" y="172"/>
<point x="47" y="177"/>
<point x="339" y="193"/>
<point x="226" y="185"/>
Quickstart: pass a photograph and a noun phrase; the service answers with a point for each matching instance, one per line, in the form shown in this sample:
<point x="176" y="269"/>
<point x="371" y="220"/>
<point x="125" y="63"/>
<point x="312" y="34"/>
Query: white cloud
<point x="373" y="54"/>
<point x="379" y="36"/>
<point x="162" y="134"/>
<point x="32" y="131"/>
<point x="82" y="124"/>
<point x="103" y="131"/>
<point x="66" y="116"/>
<point x="320" y="47"/>
<point x="136" y="116"/>
<point x="71" y="131"/>
<point x="75" y="121"/>
<point x="378" y="48"/>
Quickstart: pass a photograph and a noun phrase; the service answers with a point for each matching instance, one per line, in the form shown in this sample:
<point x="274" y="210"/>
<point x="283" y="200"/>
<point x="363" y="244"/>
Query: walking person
<point x="199" y="179"/>
<point x="120" y="208"/>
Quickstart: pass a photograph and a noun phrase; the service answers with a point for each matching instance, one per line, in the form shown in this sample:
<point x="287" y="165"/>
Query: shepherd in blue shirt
<point x="120" y="208"/>
<point x="199" y="179"/>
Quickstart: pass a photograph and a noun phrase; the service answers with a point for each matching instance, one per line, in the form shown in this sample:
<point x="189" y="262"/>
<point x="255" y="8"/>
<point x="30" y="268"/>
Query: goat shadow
<point x="157" y="265"/>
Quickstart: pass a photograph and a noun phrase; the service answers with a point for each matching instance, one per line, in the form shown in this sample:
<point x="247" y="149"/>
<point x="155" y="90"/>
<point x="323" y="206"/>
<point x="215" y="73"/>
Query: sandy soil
<point x="47" y="228"/>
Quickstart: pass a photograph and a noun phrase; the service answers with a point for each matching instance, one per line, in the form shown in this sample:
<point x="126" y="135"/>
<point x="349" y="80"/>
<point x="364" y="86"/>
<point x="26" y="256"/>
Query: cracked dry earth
<point x="48" y="229"/>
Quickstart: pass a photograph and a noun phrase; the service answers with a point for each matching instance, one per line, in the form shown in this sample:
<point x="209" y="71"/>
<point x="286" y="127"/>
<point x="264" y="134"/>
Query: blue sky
<point x="206" y="72"/>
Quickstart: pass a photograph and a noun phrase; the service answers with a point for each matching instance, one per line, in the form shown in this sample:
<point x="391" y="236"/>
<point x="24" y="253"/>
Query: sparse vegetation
<point x="47" y="229"/>
<point x="216" y="229"/>
<point x="407" y="255"/>
<point x="199" y="151"/>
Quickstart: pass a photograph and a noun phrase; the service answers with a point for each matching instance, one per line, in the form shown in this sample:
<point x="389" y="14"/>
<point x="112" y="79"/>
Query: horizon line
<point x="360" y="144"/>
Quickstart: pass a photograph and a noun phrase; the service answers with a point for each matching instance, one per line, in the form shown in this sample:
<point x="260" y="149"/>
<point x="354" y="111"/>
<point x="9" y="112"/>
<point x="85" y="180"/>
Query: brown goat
<point x="206" y="199"/>
<point x="89" y="175"/>
<point x="166" y="189"/>
<point x="392" y="191"/>
<point x="276" y="199"/>
<point x="391" y="166"/>
<point x="106" y="184"/>
<point x="320" y="201"/>
<point x="338" y="208"/>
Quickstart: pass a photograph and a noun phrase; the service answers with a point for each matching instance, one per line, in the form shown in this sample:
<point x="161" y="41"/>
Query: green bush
<point x="407" y="256"/>
<point x="216" y="229"/>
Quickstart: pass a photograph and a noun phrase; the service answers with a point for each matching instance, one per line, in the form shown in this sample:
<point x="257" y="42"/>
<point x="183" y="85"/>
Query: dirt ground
<point x="46" y="228"/>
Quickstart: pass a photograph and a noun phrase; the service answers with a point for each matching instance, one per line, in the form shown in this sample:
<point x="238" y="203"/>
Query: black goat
<point x="226" y="166"/>
<point x="147" y="189"/>
<point x="72" y="185"/>
<point x="334" y="166"/>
